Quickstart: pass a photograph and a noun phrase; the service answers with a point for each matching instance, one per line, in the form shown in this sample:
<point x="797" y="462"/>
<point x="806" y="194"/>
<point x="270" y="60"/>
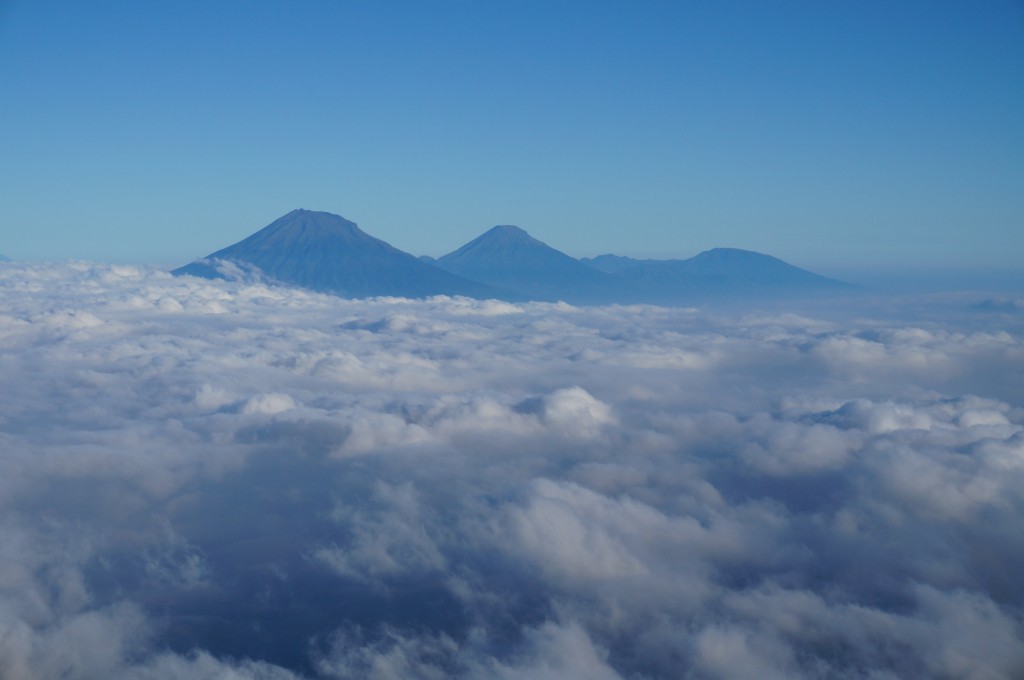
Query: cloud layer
<point x="206" y="479"/>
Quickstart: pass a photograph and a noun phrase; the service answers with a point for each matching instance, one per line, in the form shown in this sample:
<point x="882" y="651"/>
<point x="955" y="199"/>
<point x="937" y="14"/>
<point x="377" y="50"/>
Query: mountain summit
<point x="327" y="253"/>
<point x="507" y="257"/>
<point x="715" y="273"/>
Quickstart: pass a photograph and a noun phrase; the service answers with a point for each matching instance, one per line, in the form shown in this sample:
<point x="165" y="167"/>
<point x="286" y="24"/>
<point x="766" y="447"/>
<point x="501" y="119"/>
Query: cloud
<point x="267" y="404"/>
<point x="553" y="652"/>
<point x="232" y="479"/>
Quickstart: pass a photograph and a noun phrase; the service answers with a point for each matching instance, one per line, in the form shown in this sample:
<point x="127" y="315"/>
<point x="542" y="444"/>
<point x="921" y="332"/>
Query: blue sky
<point x="834" y="135"/>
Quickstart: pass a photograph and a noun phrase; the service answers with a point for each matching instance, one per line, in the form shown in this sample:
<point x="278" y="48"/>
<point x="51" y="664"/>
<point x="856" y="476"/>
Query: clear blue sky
<point x="826" y="133"/>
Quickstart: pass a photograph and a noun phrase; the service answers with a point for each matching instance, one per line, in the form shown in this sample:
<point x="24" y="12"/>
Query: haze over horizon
<point x="872" y="135"/>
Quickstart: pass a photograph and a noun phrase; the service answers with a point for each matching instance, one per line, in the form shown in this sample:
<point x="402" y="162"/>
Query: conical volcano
<point x="507" y="257"/>
<point x="327" y="253"/>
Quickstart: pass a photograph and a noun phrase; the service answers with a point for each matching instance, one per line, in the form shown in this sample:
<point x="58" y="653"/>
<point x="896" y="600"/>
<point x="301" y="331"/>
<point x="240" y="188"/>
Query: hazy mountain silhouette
<point x="327" y="253"/>
<point x="4" y="258"/>
<point x="719" y="272"/>
<point x="507" y="257"/>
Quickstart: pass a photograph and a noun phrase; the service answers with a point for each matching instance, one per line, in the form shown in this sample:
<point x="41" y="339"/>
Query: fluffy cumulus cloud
<point x="232" y="480"/>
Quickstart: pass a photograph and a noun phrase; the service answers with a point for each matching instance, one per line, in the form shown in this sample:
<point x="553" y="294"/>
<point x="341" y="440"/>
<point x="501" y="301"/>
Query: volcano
<point x="508" y="258"/>
<point x="327" y="253"/>
<point x="715" y="273"/>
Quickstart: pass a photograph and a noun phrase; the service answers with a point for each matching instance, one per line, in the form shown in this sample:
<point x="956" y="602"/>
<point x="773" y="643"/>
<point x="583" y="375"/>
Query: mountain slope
<point x="507" y="257"/>
<point x="718" y="272"/>
<point x="327" y="253"/>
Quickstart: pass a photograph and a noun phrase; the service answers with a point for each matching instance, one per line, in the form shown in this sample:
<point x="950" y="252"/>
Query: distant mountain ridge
<point x="714" y="273"/>
<point x="509" y="258"/>
<point x="327" y="253"/>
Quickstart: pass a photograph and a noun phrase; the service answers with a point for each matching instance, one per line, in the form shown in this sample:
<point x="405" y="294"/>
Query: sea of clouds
<point x="204" y="479"/>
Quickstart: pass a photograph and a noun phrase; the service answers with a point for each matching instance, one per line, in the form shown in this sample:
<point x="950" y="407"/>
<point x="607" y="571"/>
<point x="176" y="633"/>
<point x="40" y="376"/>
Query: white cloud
<point x="554" y="652"/>
<point x="574" y="410"/>
<point x="230" y="479"/>
<point x="268" y="404"/>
